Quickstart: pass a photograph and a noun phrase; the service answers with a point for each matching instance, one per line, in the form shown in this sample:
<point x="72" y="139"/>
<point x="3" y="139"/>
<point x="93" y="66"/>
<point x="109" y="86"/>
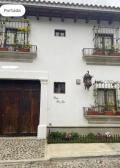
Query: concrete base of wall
<point x="86" y="130"/>
<point x="42" y="132"/>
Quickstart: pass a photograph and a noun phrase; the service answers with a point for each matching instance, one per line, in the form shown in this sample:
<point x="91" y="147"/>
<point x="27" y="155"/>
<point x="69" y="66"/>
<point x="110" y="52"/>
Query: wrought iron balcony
<point x="14" y="40"/>
<point x="101" y="56"/>
<point x="18" y="53"/>
<point x="102" y="114"/>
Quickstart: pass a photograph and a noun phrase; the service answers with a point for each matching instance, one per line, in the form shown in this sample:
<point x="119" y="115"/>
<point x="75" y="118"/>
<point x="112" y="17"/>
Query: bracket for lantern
<point x="87" y="80"/>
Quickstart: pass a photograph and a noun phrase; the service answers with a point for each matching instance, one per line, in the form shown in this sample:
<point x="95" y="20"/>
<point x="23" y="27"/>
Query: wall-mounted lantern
<point x="87" y="80"/>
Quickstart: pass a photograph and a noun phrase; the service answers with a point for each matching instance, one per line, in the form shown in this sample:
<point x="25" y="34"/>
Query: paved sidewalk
<point x="82" y="150"/>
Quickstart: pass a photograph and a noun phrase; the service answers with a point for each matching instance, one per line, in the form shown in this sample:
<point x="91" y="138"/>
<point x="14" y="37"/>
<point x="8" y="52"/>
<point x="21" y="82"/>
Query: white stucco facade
<point x="60" y="59"/>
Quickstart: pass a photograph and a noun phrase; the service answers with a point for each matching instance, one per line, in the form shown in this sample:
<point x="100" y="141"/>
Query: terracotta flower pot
<point x="108" y="113"/>
<point x="24" y="49"/>
<point x="3" y="49"/>
<point x="117" y="113"/>
<point x="92" y="113"/>
<point x="99" y="52"/>
<point x="116" y="54"/>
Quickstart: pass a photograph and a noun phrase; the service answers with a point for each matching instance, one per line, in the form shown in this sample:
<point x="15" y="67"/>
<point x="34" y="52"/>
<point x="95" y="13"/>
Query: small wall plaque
<point x="78" y="81"/>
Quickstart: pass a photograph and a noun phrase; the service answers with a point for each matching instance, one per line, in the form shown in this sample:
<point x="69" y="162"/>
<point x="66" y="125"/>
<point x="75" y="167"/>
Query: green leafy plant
<point x="55" y="135"/>
<point x="24" y="46"/>
<point x="75" y="135"/>
<point x="111" y="107"/>
<point x="28" y="46"/>
<point x="24" y="29"/>
<point x="91" y="136"/>
<point x="63" y="137"/>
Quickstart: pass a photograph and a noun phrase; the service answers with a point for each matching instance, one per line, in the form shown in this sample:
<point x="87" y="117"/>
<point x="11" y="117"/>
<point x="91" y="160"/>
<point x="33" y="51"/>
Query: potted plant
<point x="3" y="48"/>
<point x="98" y="51"/>
<point x="110" y="51"/>
<point x="113" y="51"/>
<point x="24" y="48"/>
<point x="25" y="28"/>
<point x="108" y="112"/>
<point x="111" y="109"/>
<point x="91" y="111"/>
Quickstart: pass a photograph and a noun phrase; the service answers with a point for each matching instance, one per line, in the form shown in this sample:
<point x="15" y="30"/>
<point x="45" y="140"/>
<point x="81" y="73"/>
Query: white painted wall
<point x="62" y="58"/>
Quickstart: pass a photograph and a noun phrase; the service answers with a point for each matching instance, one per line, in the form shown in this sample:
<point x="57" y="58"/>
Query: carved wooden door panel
<point x="10" y="112"/>
<point x="19" y="107"/>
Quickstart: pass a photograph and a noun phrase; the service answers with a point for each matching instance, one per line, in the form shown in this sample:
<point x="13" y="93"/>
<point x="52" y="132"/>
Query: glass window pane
<point x="108" y="42"/>
<point x="101" y="98"/>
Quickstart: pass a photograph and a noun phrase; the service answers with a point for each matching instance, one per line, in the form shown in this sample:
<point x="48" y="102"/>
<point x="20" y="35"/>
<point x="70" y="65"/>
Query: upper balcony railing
<point x="19" y="48"/>
<point x="100" y="52"/>
<point x="102" y="114"/>
<point x="106" y="47"/>
<point x="96" y="56"/>
<point x="102" y="110"/>
<point x="22" y="53"/>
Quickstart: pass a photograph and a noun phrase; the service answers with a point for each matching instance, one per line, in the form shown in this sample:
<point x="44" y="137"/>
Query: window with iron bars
<point x="106" y="99"/>
<point x="104" y="41"/>
<point x="14" y="32"/>
<point x="107" y="95"/>
<point x="106" y="38"/>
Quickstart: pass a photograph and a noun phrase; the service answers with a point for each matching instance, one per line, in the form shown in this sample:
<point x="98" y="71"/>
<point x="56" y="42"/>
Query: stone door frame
<point x="42" y="76"/>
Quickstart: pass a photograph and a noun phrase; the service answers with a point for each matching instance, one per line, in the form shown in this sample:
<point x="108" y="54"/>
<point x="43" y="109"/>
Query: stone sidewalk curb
<point x="21" y="161"/>
<point x="84" y="157"/>
<point x="60" y="158"/>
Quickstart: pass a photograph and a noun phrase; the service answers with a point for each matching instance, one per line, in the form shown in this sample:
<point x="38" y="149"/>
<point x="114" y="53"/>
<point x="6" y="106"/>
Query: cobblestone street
<point x="89" y="163"/>
<point x="101" y="162"/>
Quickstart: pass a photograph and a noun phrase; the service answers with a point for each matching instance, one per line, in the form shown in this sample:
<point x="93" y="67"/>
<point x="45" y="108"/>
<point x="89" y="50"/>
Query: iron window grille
<point x="59" y="87"/>
<point x="106" y="38"/>
<point x="14" y="32"/>
<point x="60" y="33"/>
<point x="107" y="95"/>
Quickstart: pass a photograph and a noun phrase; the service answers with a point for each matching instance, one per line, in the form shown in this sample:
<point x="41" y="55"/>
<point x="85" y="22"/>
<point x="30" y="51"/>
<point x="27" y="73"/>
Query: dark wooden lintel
<point x="98" y="21"/>
<point x="62" y="19"/>
<point x="72" y="14"/>
<point x="110" y="22"/>
<point x="75" y="19"/>
<point x="37" y="17"/>
<point x="86" y="20"/>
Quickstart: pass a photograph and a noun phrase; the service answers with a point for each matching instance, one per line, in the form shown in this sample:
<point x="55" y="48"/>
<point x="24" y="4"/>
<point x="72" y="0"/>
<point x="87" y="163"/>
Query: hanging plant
<point x="24" y="29"/>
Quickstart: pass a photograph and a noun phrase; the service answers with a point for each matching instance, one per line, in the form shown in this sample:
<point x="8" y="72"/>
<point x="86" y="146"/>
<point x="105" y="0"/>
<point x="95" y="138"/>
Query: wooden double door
<point x="19" y="107"/>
